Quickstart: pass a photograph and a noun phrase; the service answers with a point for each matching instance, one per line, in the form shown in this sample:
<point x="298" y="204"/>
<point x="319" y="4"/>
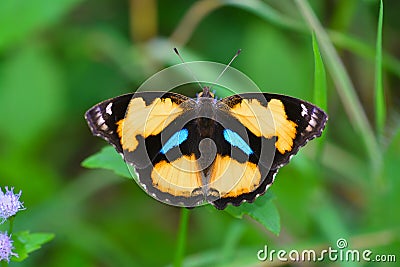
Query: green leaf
<point x="262" y="210"/>
<point x="108" y="159"/>
<point x="380" y="106"/>
<point x="320" y="88"/>
<point x="25" y="243"/>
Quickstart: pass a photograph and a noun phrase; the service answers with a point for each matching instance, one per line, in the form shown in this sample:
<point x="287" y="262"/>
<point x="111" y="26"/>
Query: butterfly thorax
<point x="205" y="113"/>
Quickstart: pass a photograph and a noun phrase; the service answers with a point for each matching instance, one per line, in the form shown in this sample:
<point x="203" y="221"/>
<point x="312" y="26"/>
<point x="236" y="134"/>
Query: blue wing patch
<point x="175" y="140"/>
<point x="235" y="140"/>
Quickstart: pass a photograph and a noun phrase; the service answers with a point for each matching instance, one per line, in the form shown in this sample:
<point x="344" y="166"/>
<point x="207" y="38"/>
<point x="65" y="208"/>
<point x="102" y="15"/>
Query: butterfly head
<point x="206" y="93"/>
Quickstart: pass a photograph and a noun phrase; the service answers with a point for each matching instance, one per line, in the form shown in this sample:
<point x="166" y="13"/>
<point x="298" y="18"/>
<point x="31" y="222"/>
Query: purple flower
<point x="6" y="245"/>
<point x="9" y="204"/>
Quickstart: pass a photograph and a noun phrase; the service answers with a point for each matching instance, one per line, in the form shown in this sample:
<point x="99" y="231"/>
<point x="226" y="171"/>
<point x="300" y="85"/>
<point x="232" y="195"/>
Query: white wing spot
<point x="314" y="115"/>
<point x="304" y="110"/>
<point x="103" y="127"/>
<point x="100" y="121"/>
<point x="108" y="109"/>
<point x="313" y="122"/>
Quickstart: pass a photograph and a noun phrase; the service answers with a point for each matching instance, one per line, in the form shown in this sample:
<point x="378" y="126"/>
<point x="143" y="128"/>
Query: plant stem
<point x="380" y="106"/>
<point x="11" y="226"/>
<point x="320" y="89"/>
<point x="182" y="235"/>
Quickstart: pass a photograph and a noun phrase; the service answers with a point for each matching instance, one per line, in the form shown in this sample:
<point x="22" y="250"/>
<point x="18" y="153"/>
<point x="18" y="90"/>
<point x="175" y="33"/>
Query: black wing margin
<point x="103" y="117"/>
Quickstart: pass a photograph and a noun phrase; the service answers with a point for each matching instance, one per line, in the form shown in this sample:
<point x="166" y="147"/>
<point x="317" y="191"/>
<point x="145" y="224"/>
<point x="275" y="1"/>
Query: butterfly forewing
<point x="293" y="122"/>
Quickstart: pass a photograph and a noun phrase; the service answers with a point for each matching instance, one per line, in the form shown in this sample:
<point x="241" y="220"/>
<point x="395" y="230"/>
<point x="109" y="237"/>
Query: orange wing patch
<point x="267" y="121"/>
<point x="223" y="171"/>
<point x="179" y="178"/>
<point x="146" y="120"/>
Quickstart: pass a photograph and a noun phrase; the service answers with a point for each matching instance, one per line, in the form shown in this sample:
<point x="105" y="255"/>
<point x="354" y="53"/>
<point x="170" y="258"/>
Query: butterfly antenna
<point x="226" y="67"/>
<point x="187" y="68"/>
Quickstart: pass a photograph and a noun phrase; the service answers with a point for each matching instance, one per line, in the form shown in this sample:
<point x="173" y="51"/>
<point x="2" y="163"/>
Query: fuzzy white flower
<point x="9" y="204"/>
<point x="6" y="247"/>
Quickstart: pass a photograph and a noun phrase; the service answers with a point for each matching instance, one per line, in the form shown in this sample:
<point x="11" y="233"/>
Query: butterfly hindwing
<point x="249" y="197"/>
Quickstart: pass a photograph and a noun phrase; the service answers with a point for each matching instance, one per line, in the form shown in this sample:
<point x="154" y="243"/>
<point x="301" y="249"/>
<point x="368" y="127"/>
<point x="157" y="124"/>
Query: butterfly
<point x="189" y="151"/>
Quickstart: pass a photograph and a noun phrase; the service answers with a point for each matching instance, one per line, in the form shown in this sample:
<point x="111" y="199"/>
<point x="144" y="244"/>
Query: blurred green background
<point x="57" y="59"/>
